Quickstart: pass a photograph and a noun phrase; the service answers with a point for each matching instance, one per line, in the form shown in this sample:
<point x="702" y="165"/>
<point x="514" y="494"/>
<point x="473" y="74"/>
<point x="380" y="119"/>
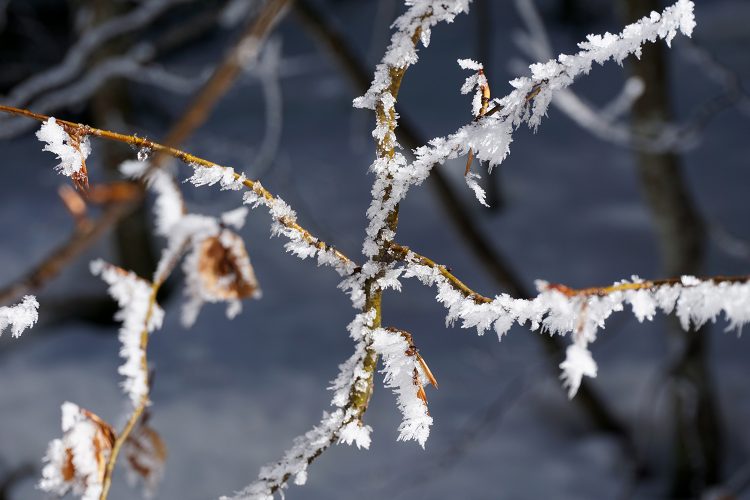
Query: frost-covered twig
<point x="139" y="315"/>
<point x="562" y="310"/>
<point x="413" y="26"/>
<point x="292" y="229"/>
<point x="354" y="384"/>
<point x="377" y="274"/>
<point x="490" y="137"/>
<point x="604" y="124"/>
<point x="351" y="395"/>
<point x="85" y="434"/>
<point x="20" y="316"/>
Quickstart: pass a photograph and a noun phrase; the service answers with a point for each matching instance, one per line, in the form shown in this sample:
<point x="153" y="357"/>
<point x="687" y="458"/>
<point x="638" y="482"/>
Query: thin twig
<point x="186" y="158"/>
<point x="227" y="72"/>
<point x="400" y="253"/>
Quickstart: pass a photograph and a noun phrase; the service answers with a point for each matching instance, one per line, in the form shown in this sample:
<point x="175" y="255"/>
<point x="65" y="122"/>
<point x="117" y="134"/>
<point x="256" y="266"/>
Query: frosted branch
<point x="581" y="313"/>
<point x="301" y="243"/>
<point x="491" y="136"/>
<point x="344" y="425"/>
<point x="413" y="26"/>
<point x="602" y="123"/>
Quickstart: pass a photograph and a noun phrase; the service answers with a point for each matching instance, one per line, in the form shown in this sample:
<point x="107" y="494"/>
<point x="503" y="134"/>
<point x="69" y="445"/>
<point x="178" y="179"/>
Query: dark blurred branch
<point x="14" y="477"/>
<point x="88" y="233"/>
<point x="494" y="263"/>
<point x="84" y="235"/>
<point x="77" y="56"/>
<point x="225" y="74"/>
<point x="680" y="232"/>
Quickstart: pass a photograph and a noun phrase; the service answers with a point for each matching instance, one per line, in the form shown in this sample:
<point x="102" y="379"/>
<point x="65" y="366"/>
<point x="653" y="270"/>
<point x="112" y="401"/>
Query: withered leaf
<point x="224" y="267"/>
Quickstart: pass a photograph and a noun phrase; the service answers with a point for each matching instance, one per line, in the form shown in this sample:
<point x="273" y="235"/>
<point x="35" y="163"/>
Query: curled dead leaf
<point x="145" y="454"/>
<point x="423" y="368"/>
<point x="224" y="267"/>
<point x="73" y="202"/>
<point x="79" y="142"/>
<point x="78" y="460"/>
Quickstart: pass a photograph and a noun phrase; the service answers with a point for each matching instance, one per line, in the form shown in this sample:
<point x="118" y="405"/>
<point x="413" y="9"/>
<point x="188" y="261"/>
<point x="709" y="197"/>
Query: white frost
<point x="168" y="205"/>
<point x="59" y="143"/>
<point x="693" y="301"/>
<point x="138" y="314"/>
<point x="224" y="176"/>
<point x="342" y="424"/>
<point x="578" y="362"/>
<point x="77" y="448"/>
<point x="400" y="370"/>
<point x="20" y="316"/>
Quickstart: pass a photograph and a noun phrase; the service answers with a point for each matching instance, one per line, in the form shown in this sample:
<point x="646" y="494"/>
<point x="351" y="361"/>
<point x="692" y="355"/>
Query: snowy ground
<point x="230" y="396"/>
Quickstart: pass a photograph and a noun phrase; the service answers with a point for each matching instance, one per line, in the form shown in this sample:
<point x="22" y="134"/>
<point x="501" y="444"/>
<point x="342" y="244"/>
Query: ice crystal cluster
<point x="20" y="316"/>
<point x="300" y="243"/>
<point x="71" y="153"/>
<point x="401" y="368"/>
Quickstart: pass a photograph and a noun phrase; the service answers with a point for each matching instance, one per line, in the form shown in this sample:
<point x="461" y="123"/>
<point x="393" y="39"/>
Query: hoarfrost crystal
<point x="71" y="154"/>
<point x="20" y="316"/>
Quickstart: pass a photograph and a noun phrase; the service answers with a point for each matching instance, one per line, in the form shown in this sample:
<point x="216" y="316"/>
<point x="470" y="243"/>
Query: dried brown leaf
<point x="224" y="267"/>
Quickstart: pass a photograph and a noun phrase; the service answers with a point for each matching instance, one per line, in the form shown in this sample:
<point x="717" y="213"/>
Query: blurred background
<point x="640" y="169"/>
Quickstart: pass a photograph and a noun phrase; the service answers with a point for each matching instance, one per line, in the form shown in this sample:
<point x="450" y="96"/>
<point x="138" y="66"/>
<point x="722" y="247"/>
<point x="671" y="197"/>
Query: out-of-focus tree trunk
<point x="132" y="235"/>
<point x="680" y="231"/>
